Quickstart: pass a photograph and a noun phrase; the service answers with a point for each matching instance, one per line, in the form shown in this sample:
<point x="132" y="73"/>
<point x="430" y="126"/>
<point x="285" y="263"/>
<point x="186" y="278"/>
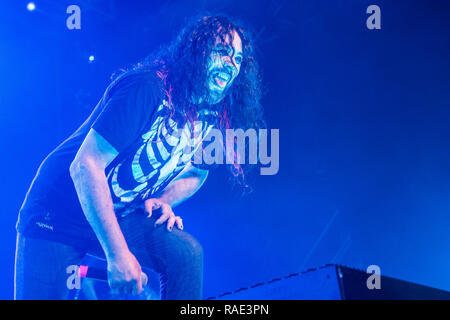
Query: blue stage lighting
<point x="31" y="6"/>
<point x="91" y="58"/>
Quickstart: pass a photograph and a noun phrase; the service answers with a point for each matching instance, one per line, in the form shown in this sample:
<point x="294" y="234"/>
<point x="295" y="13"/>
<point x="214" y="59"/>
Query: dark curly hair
<point x="182" y="67"/>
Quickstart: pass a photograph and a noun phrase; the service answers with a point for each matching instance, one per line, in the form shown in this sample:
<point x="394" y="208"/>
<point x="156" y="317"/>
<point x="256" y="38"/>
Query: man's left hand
<point x="167" y="213"/>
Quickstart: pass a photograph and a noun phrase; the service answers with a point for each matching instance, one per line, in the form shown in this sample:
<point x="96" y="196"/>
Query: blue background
<point x="363" y="116"/>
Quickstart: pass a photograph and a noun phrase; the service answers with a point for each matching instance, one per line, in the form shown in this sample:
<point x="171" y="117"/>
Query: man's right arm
<point x="88" y="174"/>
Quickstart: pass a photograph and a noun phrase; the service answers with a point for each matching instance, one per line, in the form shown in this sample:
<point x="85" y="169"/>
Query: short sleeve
<point x="127" y="107"/>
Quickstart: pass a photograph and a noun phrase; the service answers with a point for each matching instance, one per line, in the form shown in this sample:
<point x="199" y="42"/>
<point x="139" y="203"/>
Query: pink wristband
<point x="82" y="271"/>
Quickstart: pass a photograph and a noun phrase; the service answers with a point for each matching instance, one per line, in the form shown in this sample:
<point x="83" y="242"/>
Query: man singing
<point x="110" y="188"/>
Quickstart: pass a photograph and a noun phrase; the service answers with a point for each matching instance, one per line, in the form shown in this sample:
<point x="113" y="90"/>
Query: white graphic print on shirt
<point x="162" y="154"/>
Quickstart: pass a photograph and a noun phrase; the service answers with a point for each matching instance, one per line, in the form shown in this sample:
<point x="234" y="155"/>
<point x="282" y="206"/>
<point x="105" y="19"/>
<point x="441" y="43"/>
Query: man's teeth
<point x="223" y="76"/>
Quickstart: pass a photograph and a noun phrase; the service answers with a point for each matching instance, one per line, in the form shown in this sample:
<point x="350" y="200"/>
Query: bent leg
<point x="176" y="256"/>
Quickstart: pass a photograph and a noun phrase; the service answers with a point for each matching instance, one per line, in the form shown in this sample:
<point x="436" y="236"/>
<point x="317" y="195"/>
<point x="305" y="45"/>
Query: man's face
<point x="223" y="66"/>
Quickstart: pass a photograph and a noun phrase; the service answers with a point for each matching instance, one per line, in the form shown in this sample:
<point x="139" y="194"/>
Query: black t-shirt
<point x="152" y="152"/>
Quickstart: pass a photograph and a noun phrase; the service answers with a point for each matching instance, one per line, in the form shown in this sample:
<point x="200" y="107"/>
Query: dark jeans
<point x="40" y="268"/>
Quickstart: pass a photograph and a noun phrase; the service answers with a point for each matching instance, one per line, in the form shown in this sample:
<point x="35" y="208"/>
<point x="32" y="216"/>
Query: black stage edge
<point x="333" y="282"/>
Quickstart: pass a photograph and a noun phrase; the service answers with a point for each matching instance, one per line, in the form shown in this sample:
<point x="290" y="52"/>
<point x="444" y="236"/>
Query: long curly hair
<point x="182" y="66"/>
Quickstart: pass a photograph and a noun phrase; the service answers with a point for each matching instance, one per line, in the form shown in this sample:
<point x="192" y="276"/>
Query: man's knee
<point x="193" y="247"/>
<point x="186" y="250"/>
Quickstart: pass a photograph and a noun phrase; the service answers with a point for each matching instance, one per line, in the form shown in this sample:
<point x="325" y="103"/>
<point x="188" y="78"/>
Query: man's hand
<point x="124" y="274"/>
<point x="167" y="213"/>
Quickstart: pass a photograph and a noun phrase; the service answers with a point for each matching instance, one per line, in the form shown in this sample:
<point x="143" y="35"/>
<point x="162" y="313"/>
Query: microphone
<point x="102" y="274"/>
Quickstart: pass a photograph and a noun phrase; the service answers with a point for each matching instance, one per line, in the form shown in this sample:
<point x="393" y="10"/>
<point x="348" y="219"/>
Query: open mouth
<point x="221" y="78"/>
